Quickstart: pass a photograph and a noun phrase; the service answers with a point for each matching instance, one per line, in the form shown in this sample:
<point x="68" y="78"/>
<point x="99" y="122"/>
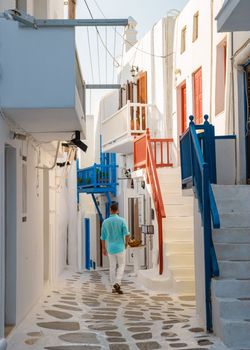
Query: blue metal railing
<point x="98" y="178"/>
<point x="198" y="164"/>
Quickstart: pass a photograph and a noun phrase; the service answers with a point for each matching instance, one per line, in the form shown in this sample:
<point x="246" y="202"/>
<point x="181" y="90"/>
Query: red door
<point x="183" y="108"/>
<point x="197" y="78"/>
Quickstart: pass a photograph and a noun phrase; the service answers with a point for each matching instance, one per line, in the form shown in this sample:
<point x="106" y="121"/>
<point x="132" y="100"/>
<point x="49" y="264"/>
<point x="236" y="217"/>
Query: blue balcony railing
<point x="198" y="164"/>
<point x="99" y="178"/>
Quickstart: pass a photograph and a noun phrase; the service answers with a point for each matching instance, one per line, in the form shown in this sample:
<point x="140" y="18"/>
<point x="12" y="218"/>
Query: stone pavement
<point x="82" y="314"/>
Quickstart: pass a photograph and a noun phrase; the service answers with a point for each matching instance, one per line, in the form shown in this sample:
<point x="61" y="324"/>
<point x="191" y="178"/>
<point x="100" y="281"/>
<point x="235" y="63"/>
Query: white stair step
<point x="181" y="259"/>
<point x="188" y="192"/>
<point x="177" y="234"/>
<point x="234" y="334"/>
<point x="176" y="199"/>
<point x="179" y="210"/>
<point x="234" y="269"/>
<point x="235" y="220"/>
<point x="233" y="205"/>
<point x="170" y="179"/>
<point x="226" y="251"/>
<point x="233" y="309"/>
<point x="171" y="188"/>
<point x="179" y="246"/>
<point x="152" y="280"/>
<point x="224" y="192"/>
<point x="231" y="235"/>
<point x="184" y="285"/>
<point x="231" y="288"/>
<point x="169" y="170"/>
<point x="182" y="272"/>
<point x="179" y="222"/>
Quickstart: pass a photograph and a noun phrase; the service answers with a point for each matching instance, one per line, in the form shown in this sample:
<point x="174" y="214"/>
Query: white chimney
<point x="130" y="33"/>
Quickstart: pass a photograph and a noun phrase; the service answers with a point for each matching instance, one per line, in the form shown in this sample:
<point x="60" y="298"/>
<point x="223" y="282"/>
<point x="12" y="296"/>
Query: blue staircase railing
<point x="198" y="164"/>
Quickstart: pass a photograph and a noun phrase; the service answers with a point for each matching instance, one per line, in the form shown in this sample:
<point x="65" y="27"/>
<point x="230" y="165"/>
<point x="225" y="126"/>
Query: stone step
<point x="234" y="333"/>
<point x="177" y="234"/>
<point x="170" y="188"/>
<point x="229" y="192"/>
<point x="180" y="259"/>
<point x="176" y="199"/>
<point x="182" y="272"/>
<point x="178" y="222"/>
<point x="235" y="220"/>
<point x="184" y="285"/>
<point x="153" y="281"/>
<point x="179" y="246"/>
<point x="178" y="210"/>
<point x="171" y="178"/>
<point x="231" y="288"/>
<point x="231" y="235"/>
<point x="234" y="269"/>
<point x="233" y="205"/>
<point x="226" y="251"/>
<point x="233" y="309"/>
<point x="168" y="170"/>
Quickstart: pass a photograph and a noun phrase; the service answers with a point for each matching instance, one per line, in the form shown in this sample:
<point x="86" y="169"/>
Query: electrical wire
<point x="101" y="39"/>
<point x="98" y="57"/>
<point x="90" y="55"/>
<point x="113" y="79"/>
<point x="128" y="42"/>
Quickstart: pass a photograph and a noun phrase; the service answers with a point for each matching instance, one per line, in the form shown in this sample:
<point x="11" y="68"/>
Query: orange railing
<point x="146" y="156"/>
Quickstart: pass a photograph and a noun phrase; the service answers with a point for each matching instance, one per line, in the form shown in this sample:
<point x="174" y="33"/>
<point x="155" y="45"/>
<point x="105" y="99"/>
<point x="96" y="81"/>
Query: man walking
<point x="114" y="239"/>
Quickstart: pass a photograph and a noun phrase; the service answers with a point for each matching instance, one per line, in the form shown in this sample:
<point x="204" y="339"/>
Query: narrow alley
<point x="81" y="313"/>
<point x="124" y="175"/>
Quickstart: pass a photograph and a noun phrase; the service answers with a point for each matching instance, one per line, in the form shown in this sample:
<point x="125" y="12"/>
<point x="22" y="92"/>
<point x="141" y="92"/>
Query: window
<point x="183" y="39"/>
<point x="221" y="67"/>
<point x="195" y="26"/>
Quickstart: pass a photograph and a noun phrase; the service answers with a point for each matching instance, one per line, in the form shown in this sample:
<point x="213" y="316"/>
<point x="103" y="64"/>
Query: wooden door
<point x="142" y="97"/>
<point x="197" y="81"/>
<point x="183" y="108"/>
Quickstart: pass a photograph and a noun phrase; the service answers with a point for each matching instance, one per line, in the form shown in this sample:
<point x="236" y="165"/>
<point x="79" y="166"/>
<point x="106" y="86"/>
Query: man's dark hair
<point x="114" y="206"/>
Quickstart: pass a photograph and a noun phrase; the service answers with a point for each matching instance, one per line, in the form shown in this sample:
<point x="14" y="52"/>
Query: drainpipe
<point x="3" y="344"/>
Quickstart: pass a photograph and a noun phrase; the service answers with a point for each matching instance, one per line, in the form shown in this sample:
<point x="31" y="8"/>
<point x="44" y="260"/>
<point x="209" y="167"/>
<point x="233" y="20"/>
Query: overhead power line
<point x="128" y="42"/>
<point x="102" y="41"/>
<point x="90" y="55"/>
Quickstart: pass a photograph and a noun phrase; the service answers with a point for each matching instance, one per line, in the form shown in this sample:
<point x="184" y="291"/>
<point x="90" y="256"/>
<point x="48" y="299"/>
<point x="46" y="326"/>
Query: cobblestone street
<point x="82" y="314"/>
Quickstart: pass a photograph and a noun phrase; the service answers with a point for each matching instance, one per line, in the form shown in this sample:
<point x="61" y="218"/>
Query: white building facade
<point x="38" y="198"/>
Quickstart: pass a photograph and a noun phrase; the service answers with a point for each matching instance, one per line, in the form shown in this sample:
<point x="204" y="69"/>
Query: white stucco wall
<point x="30" y="234"/>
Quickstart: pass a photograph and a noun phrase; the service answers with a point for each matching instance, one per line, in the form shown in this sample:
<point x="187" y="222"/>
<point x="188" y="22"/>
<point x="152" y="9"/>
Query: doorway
<point x="10" y="237"/>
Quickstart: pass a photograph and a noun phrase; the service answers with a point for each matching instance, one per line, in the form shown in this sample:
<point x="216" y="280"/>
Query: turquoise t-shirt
<point x="114" y="229"/>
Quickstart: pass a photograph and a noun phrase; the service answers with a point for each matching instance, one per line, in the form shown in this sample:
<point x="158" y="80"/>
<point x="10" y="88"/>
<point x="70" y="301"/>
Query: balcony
<point x="234" y="16"/>
<point x="41" y="87"/>
<point x="119" y="130"/>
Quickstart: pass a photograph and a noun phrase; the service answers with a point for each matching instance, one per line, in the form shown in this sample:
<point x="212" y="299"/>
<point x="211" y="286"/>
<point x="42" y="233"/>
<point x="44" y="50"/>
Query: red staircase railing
<point x="146" y="156"/>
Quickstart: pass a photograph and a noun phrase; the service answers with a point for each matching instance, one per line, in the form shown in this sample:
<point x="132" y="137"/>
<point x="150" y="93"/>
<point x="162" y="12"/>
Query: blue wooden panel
<point x="87" y="244"/>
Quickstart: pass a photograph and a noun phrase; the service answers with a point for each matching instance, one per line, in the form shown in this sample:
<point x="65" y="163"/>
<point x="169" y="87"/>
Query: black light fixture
<point x="77" y="141"/>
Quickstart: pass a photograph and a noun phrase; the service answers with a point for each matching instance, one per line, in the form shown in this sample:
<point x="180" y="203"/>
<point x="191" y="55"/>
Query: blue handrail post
<point x="207" y="229"/>
<point x="191" y="123"/>
<point x="209" y="149"/>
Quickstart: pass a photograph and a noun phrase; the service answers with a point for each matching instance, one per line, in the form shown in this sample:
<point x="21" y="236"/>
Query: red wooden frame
<point x="145" y="156"/>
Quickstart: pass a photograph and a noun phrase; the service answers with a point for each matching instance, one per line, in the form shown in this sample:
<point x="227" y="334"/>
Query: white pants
<point x="117" y="267"/>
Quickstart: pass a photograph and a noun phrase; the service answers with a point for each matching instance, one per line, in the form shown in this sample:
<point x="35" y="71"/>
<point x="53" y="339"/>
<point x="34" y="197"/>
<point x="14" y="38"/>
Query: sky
<point x="97" y="65"/>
